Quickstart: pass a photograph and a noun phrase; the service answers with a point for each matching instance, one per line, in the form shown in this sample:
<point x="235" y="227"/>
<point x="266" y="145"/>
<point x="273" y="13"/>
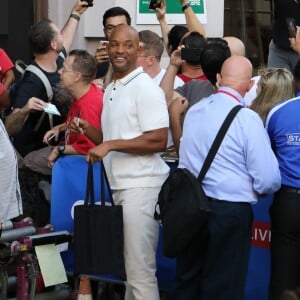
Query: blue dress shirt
<point x="245" y="165"/>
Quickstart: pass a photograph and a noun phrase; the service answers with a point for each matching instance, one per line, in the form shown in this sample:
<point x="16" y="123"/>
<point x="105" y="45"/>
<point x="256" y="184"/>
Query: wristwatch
<point x="185" y="6"/>
<point x="61" y="149"/>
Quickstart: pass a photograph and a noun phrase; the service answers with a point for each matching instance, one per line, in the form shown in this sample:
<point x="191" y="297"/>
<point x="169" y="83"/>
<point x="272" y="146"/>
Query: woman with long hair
<point x="275" y="85"/>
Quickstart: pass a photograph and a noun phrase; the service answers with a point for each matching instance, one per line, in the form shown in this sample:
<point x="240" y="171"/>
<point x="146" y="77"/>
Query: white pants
<point x="140" y="241"/>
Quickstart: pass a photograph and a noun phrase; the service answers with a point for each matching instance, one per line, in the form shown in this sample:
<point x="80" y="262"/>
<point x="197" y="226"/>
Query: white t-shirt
<point x="133" y="105"/>
<point x="177" y="82"/>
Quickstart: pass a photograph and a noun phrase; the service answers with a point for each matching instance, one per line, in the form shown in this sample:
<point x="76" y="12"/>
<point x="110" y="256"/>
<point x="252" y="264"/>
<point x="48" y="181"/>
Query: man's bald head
<point x="236" y="73"/>
<point x="236" y="46"/>
<point x="126" y="30"/>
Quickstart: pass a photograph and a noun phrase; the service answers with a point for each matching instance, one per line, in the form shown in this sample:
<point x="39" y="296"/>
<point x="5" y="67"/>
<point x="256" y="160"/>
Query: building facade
<point x="249" y="20"/>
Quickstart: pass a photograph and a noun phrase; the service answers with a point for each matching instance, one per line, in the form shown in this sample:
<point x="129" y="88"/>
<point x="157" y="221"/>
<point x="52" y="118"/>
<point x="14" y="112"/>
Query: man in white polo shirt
<point x="135" y="127"/>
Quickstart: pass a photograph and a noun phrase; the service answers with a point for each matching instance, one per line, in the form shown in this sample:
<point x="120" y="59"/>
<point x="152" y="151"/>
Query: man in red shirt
<point x="76" y="75"/>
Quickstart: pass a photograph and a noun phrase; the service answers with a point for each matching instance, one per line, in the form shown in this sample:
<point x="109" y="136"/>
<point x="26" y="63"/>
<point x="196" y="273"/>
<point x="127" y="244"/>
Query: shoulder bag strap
<point x="20" y="66"/>
<point x="217" y="141"/>
<point x="62" y="55"/>
<point x="41" y="75"/>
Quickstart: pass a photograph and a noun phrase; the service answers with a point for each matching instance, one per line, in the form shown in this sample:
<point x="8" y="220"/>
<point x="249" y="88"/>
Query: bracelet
<point x="185" y="6"/>
<point x="76" y="17"/>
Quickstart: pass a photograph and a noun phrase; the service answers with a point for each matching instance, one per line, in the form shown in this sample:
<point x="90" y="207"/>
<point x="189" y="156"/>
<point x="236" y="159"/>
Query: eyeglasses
<point x="64" y="70"/>
<point x="150" y="55"/>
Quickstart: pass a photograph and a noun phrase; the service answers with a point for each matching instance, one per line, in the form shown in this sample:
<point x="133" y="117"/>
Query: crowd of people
<point x="121" y="106"/>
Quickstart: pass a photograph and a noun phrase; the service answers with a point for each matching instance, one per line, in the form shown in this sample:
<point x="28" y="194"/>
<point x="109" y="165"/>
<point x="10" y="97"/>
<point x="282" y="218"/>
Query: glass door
<point x="250" y="20"/>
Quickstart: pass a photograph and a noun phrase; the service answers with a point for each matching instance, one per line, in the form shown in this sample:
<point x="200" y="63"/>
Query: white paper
<point x="51" y="109"/>
<point x="63" y="247"/>
<point x="51" y="265"/>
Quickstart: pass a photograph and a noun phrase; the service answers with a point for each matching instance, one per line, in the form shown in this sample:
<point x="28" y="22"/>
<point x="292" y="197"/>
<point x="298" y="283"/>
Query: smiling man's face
<point x="123" y="50"/>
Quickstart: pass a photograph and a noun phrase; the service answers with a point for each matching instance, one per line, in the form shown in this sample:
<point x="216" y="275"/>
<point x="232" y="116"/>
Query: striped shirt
<point x="10" y="196"/>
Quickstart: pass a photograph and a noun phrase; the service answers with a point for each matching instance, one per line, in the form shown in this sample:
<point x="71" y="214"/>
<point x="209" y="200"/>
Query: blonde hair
<point x="276" y="84"/>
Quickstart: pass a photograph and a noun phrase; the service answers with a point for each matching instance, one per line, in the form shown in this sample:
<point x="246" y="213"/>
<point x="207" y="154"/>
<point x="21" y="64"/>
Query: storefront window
<point x="250" y="20"/>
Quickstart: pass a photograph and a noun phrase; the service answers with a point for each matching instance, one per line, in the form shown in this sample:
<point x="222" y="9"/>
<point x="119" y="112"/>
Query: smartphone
<point x="53" y="142"/>
<point x="90" y="3"/>
<point x="103" y="43"/>
<point x="291" y="25"/>
<point x="154" y="4"/>
<point x="191" y="55"/>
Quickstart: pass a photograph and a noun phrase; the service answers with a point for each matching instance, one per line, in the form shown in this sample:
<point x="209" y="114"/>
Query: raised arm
<point x="192" y="21"/>
<point x="177" y="108"/>
<point x="167" y="82"/>
<point x="164" y="27"/>
<point x="69" y="30"/>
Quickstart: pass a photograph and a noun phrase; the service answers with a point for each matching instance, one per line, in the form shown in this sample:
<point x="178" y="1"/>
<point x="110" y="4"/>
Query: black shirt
<point x="102" y="69"/>
<point x="32" y="86"/>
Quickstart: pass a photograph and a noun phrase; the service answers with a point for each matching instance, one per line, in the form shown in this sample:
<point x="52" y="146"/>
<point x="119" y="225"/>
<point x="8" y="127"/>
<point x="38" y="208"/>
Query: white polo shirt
<point x="134" y="105"/>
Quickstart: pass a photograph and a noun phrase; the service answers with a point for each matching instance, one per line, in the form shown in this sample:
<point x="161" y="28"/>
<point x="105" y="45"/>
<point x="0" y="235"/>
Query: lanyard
<point x="230" y="94"/>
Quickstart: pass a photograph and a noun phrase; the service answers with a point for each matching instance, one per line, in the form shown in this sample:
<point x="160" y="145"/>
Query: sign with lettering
<point x="174" y="14"/>
<point x="261" y="234"/>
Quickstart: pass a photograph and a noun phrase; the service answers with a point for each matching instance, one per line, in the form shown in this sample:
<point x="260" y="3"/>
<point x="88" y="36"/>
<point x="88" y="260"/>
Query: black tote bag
<point x="98" y="232"/>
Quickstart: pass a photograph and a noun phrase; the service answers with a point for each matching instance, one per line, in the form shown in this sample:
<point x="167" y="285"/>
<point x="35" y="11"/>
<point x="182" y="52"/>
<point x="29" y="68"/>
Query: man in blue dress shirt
<point x="243" y="168"/>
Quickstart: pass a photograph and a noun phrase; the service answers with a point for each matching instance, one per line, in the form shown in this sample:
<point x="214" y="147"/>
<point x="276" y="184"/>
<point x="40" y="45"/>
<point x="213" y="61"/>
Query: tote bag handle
<point x="89" y="194"/>
<point x="104" y="181"/>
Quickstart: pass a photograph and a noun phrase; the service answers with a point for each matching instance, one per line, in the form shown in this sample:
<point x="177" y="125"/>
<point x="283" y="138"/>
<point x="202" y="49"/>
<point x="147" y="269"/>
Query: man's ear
<point x="78" y="76"/>
<point x="219" y="79"/>
<point x="151" y="60"/>
<point x="139" y="50"/>
<point x="53" y="45"/>
<point x="251" y="83"/>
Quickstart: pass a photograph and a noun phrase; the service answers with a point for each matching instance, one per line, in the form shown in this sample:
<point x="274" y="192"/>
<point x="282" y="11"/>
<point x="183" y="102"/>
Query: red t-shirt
<point x="5" y="63"/>
<point x="187" y="78"/>
<point x="89" y="106"/>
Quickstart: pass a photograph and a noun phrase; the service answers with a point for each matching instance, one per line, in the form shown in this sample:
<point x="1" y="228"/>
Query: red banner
<point x="261" y="234"/>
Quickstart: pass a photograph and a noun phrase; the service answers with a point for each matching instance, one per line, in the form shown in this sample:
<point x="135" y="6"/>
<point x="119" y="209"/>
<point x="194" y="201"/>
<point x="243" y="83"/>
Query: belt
<point x="229" y="202"/>
<point x="290" y="190"/>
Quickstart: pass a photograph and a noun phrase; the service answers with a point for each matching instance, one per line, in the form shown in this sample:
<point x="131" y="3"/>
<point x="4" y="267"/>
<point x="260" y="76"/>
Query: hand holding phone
<point x="154" y="4"/>
<point x="90" y="3"/>
<point x="50" y="138"/>
<point x="103" y="43"/>
<point x="101" y="54"/>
